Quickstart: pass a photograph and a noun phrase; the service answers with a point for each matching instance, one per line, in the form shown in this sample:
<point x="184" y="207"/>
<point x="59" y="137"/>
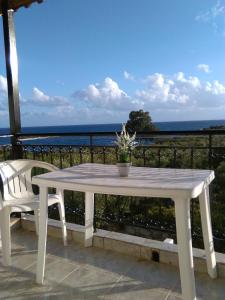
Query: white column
<point x="207" y="232"/>
<point x="42" y="237"/>
<point x="184" y="242"/>
<point x="89" y="219"/>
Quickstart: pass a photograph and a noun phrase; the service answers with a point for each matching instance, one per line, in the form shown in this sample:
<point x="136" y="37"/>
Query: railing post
<point x="60" y="156"/>
<point x="159" y="157"/>
<point x="144" y="157"/>
<point x="17" y="149"/>
<point x="70" y="153"/>
<point x="103" y="151"/>
<point x="192" y="157"/>
<point x="91" y="148"/>
<point x="81" y="156"/>
<point x="210" y="150"/>
<point x="174" y="157"/>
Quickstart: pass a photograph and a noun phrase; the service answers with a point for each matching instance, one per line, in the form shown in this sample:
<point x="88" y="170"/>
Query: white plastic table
<point x="178" y="184"/>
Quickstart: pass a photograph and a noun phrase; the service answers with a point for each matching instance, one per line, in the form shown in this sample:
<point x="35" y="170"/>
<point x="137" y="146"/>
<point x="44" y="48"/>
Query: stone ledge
<point x="142" y="248"/>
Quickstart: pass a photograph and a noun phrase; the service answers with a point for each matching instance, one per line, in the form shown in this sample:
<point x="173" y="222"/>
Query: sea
<point x="99" y="140"/>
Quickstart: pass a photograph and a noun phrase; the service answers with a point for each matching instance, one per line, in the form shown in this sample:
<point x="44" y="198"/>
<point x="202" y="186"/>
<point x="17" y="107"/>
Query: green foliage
<point x="140" y="121"/>
<point x="124" y="157"/>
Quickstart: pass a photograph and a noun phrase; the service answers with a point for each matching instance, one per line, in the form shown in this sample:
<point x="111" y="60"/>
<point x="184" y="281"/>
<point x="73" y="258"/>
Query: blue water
<point x="188" y="125"/>
<point x="103" y="140"/>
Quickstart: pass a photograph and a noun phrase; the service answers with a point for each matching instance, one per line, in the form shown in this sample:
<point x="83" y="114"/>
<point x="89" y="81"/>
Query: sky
<point x="94" y="61"/>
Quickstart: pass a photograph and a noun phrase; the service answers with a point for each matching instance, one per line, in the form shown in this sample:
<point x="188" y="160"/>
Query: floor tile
<point x="75" y="272"/>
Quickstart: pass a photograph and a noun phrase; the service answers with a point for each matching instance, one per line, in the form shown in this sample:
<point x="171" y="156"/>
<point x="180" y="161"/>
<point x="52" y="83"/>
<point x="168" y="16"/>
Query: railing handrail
<point x="142" y="134"/>
<point x="114" y="146"/>
<point x="112" y="133"/>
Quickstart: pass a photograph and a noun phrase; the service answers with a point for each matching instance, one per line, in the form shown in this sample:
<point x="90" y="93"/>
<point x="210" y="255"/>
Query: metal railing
<point x="155" y="218"/>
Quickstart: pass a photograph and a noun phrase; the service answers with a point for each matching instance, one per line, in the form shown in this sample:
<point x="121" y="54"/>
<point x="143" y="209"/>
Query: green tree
<point x="140" y="121"/>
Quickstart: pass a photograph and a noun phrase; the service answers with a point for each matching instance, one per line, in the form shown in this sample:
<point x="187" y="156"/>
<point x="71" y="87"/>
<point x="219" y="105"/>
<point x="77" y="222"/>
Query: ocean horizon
<point x="163" y="126"/>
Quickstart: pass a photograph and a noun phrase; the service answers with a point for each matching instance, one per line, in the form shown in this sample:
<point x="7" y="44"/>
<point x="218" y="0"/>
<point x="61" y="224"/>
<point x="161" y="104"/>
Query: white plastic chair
<point x="18" y="196"/>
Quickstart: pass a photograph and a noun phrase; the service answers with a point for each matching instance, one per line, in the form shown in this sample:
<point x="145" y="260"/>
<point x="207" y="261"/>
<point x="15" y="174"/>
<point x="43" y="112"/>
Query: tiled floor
<point x="74" y="272"/>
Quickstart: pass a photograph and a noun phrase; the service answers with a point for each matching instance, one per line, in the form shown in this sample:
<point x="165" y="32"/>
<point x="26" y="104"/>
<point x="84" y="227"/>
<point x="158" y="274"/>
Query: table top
<point x="142" y="181"/>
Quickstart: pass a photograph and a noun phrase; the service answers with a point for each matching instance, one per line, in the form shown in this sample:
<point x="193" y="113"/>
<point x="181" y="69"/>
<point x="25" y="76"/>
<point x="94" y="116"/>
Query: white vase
<point x="123" y="169"/>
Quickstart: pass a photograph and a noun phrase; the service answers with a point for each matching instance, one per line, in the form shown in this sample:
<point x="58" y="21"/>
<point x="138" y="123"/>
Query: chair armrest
<point x="43" y="165"/>
<point x="49" y="167"/>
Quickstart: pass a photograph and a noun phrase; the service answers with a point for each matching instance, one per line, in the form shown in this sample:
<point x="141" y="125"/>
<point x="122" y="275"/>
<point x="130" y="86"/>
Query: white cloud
<point x="204" y="68"/>
<point x="3" y="97"/>
<point x="214" y="12"/>
<point x="158" y="93"/>
<point x="179" y="92"/>
<point x="215" y="88"/>
<point x="40" y="98"/>
<point x="106" y="95"/>
<point x="63" y="110"/>
<point x="214" y="16"/>
<point x="83" y="115"/>
<point x="162" y="90"/>
<point x="128" y="76"/>
<point x="3" y="84"/>
<point x="52" y="110"/>
<point x="166" y="97"/>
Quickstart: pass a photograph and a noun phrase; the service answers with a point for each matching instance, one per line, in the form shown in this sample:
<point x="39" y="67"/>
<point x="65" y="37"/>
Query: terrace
<point x="124" y="240"/>
<point x="120" y="265"/>
<point x="75" y="272"/>
<point x="203" y="149"/>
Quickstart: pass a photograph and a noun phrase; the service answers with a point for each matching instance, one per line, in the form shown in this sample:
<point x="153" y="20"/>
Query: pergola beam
<point x="16" y="4"/>
<point x="11" y="68"/>
<point x="7" y="7"/>
<point x="12" y="77"/>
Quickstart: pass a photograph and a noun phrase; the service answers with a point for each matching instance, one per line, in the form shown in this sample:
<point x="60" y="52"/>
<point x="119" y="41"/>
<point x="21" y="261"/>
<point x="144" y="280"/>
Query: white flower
<point x="125" y="142"/>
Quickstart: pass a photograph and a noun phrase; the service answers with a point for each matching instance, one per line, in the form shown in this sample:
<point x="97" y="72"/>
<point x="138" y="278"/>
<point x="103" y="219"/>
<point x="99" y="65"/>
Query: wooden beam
<point x="11" y="72"/>
<point x="16" y="4"/>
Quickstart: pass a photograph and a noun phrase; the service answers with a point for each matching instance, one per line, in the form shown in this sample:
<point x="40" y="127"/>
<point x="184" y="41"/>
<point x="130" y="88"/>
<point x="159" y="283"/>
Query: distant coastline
<point x="164" y="126"/>
<point x="188" y="125"/>
<point x="167" y="126"/>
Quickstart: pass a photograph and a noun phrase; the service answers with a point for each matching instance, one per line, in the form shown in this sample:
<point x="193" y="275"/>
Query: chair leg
<point x="5" y="235"/>
<point x="63" y="221"/>
<point x="36" y="218"/>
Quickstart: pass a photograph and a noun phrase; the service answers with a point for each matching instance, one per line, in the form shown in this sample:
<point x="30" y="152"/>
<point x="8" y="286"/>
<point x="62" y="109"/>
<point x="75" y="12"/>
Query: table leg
<point x="6" y="235"/>
<point x="207" y="232"/>
<point x="184" y="242"/>
<point x="89" y="219"/>
<point x="42" y="236"/>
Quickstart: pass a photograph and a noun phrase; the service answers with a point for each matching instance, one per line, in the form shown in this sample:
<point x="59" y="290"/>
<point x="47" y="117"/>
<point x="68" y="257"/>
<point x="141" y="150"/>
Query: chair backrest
<point x="16" y="179"/>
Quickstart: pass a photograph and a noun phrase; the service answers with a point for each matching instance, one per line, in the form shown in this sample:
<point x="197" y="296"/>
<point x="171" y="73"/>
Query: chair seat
<point x="17" y="196"/>
<point x="29" y="204"/>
